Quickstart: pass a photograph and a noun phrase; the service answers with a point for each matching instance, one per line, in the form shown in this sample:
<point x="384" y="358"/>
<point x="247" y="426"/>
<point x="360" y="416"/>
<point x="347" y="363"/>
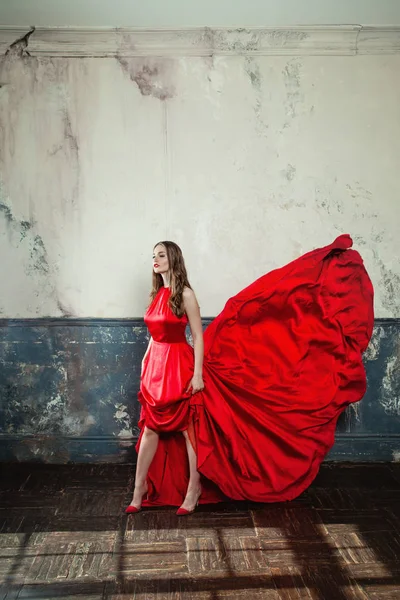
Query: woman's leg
<point x="147" y="450"/>
<point x="194" y="487"/>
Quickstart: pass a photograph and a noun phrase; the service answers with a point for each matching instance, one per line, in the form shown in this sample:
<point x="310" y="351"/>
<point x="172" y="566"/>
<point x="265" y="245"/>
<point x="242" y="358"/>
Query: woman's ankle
<point x="193" y="490"/>
<point x="140" y="484"/>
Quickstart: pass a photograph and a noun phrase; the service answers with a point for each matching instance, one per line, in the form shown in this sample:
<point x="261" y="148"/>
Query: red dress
<point x="282" y="361"/>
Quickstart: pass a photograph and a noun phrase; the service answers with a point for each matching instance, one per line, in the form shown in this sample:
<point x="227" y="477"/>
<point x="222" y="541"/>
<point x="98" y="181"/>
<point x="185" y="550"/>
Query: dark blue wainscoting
<point x="68" y="393"/>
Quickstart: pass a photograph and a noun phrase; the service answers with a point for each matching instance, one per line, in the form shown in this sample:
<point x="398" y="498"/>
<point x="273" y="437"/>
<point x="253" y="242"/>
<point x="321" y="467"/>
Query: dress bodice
<point x="163" y="324"/>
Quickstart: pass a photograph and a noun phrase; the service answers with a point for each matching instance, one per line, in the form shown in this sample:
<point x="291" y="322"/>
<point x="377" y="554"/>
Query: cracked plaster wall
<point x="246" y="162"/>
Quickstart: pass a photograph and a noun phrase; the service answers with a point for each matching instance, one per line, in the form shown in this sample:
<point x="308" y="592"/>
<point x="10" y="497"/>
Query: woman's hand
<point x="196" y="385"/>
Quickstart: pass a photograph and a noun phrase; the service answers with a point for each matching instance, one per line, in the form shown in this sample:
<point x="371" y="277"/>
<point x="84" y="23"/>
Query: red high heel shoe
<point x="131" y="509"/>
<point x="183" y="512"/>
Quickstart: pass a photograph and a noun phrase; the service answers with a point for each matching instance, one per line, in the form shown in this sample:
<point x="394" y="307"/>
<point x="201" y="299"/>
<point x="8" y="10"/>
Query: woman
<point x="165" y="399"/>
<point x="281" y="362"/>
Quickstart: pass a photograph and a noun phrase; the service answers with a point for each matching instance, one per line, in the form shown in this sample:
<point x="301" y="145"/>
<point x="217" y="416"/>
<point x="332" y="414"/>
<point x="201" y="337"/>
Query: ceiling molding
<point x="347" y="40"/>
<point x="379" y="40"/>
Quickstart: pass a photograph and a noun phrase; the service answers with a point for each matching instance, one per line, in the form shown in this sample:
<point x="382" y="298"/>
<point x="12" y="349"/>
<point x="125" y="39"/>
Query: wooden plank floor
<point x="63" y="535"/>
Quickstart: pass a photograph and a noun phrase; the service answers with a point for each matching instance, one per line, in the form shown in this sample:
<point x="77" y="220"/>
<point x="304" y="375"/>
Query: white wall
<point x="245" y="161"/>
<point x="192" y="13"/>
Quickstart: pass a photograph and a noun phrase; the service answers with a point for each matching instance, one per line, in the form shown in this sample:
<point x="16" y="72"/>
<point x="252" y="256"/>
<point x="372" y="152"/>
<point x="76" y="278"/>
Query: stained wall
<point x="245" y="160"/>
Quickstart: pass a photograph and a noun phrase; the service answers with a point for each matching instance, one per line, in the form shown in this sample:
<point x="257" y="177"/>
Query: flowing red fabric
<point x="282" y="361"/>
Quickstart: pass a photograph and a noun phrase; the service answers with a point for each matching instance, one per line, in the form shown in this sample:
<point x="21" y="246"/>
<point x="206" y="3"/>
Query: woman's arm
<point x="193" y="312"/>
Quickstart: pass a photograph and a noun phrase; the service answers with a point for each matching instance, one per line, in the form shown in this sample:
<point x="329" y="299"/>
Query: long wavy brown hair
<point x="178" y="278"/>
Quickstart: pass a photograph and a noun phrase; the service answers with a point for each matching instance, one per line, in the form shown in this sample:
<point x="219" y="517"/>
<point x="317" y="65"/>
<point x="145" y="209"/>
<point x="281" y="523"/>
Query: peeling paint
<point x="373" y="350"/>
<point x="123" y="419"/>
<point x="39" y="256"/>
<point x="7" y="214"/>
<point x="69" y="136"/>
<point x="71" y="144"/>
<point x="238" y="40"/>
<point x="355" y="410"/>
<point x="253" y="71"/>
<point x="389" y="285"/>
<point x="241" y="40"/>
<point x="358" y="191"/>
<point x="362" y="201"/>
<point x="294" y="96"/>
<point x="137" y="331"/>
<point x="37" y="252"/>
<point x="82" y="381"/>
<point x="359" y="240"/>
<point x="18" y="49"/>
<point x="126" y="433"/>
<point x="152" y="78"/>
<point x="47" y="109"/>
<point x="391" y="386"/>
<point x="25" y="226"/>
<point x="327" y="201"/>
<point x="279" y="38"/>
<point x="66" y="312"/>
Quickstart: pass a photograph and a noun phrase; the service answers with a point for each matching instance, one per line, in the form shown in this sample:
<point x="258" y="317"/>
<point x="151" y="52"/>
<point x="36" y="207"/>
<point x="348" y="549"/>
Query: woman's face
<point x="160" y="260"/>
